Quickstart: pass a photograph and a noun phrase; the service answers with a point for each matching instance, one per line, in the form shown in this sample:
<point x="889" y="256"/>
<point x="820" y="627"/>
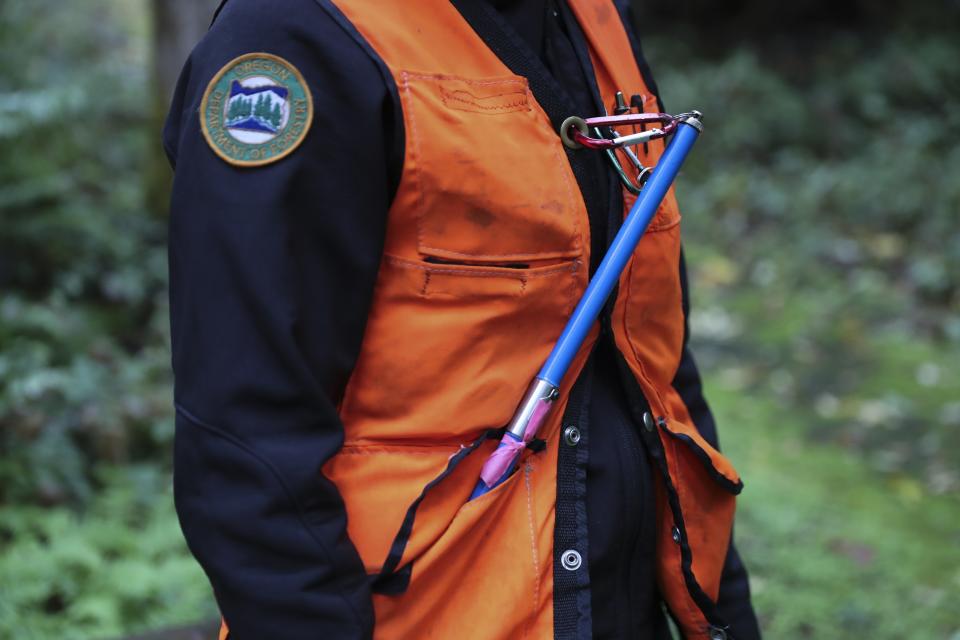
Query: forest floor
<point x="833" y="548"/>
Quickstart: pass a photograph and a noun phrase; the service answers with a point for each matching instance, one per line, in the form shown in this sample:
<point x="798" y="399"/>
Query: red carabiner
<point x="574" y="130"/>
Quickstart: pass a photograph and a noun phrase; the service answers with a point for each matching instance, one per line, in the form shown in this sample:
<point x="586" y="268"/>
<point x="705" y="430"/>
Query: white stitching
<point x="527" y="472"/>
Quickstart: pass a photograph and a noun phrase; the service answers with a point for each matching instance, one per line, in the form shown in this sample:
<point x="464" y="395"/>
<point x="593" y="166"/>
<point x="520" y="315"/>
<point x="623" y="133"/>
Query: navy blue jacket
<point x="271" y="276"/>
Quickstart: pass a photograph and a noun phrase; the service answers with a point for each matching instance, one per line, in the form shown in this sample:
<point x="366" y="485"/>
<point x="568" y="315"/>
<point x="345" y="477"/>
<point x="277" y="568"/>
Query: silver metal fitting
<point x="695" y="120"/>
<point x="638" y="138"/>
<point x="571" y="559"/>
<point x="538" y="393"/>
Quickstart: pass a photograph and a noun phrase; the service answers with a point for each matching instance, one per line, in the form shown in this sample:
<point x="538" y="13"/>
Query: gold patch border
<point x="216" y="79"/>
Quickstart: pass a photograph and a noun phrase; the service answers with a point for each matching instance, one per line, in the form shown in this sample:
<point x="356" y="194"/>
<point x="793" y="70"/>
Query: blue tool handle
<point x="623" y="246"/>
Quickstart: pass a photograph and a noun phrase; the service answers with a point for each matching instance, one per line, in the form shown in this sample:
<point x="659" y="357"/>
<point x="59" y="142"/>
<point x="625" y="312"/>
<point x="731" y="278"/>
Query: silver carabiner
<point x="633" y="186"/>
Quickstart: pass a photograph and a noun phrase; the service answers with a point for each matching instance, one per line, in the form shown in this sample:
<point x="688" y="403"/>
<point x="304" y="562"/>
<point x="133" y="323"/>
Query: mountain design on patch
<point x="256" y="108"/>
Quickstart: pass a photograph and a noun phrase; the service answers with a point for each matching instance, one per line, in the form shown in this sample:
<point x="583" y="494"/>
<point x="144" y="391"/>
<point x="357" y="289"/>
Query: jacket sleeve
<point x="272" y="270"/>
<point x="734" y="601"/>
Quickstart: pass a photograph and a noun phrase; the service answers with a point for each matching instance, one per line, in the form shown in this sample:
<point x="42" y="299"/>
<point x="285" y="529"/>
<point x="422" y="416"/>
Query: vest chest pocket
<point x="492" y="180"/>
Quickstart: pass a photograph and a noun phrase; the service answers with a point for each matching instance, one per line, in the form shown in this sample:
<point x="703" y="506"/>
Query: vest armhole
<point x="398" y="145"/>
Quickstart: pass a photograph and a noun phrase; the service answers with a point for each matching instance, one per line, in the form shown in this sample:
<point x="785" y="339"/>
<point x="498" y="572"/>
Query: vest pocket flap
<point x="715" y="463"/>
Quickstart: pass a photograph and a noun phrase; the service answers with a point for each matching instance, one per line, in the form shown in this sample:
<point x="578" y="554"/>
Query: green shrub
<point x="83" y="365"/>
<point x="120" y="567"/>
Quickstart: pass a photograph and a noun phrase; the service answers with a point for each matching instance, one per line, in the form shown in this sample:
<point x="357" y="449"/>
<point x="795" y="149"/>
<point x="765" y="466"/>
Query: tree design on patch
<point x="255" y="107"/>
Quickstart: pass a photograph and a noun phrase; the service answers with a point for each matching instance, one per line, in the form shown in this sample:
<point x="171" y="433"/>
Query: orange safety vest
<point x="454" y="336"/>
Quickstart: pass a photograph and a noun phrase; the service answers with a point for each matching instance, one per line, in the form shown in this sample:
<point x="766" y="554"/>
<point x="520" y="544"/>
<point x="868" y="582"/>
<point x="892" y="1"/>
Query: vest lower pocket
<point x="401" y="498"/>
<point x="441" y="548"/>
<point x="477" y="570"/>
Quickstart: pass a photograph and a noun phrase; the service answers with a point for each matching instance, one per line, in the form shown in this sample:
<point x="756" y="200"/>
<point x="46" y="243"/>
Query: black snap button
<point x="571" y="435"/>
<point x="648" y="421"/>
<point x="716" y="633"/>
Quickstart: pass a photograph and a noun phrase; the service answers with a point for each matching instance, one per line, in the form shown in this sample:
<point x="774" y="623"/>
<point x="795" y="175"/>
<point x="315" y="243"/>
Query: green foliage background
<point x="89" y="544"/>
<point x="821" y="222"/>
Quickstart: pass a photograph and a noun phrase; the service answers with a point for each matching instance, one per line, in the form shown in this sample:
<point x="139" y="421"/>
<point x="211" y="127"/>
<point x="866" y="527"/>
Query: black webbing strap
<point x="572" y="618"/>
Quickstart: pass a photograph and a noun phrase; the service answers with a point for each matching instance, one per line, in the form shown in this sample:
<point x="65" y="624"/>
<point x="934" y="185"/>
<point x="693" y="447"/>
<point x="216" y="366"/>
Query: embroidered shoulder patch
<point x="256" y="110"/>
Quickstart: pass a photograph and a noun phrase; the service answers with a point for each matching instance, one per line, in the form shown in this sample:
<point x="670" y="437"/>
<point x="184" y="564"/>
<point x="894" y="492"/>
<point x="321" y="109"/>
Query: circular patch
<point x="256" y="110"/>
